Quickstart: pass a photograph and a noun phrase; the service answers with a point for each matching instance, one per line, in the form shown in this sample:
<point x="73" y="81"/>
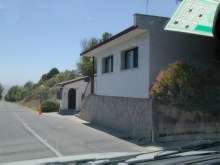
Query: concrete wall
<point x="167" y="47"/>
<point x="172" y="124"/>
<point x="125" y="83"/>
<point x="130" y="116"/>
<point x="139" y="118"/>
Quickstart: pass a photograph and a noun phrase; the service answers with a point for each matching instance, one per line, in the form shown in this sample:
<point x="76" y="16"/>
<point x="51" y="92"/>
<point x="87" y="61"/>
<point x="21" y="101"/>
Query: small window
<point x="107" y="64"/>
<point x="129" y="59"/>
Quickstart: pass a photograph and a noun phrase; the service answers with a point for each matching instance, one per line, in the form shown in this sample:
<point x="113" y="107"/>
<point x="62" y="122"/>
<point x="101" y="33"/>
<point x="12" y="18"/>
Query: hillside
<point x="31" y="94"/>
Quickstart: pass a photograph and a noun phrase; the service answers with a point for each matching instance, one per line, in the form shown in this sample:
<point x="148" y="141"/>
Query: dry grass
<point x="33" y="104"/>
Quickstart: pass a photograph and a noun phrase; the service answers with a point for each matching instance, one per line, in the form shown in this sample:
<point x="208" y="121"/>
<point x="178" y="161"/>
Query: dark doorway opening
<point x="72" y="99"/>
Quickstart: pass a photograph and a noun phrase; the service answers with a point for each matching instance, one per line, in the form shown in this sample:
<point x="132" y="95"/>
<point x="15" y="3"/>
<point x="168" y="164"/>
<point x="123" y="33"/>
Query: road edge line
<point x="38" y="137"/>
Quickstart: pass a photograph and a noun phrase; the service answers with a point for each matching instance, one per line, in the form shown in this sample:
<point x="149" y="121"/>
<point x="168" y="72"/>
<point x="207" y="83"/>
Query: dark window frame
<point x="106" y="61"/>
<point x="125" y="56"/>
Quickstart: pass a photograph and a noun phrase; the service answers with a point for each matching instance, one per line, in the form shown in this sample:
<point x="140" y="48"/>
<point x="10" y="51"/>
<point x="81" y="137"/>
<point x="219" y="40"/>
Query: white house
<point x="128" y="63"/>
<point x="122" y="63"/>
<point x="127" y="66"/>
<point x="71" y="94"/>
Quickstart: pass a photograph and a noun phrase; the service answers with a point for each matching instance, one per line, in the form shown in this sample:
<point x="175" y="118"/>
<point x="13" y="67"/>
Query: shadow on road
<point x="68" y="113"/>
<point x="140" y="142"/>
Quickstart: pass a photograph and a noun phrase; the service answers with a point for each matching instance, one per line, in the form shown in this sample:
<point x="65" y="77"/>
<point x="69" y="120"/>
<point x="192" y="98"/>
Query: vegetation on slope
<point x="85" y="64"/>
<point x="187" y="87"/>
<point x="31" y="94"/>
<point x="1" y="91"/>
<point x="44" y="90"/>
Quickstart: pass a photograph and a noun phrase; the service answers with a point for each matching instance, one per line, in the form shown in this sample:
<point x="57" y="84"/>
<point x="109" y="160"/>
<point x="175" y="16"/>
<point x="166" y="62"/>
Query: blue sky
<point x="36" y="35"/>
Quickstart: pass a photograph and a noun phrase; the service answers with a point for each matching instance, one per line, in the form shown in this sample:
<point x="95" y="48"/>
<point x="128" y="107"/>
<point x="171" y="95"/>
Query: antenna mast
<point x="147" y="6"/>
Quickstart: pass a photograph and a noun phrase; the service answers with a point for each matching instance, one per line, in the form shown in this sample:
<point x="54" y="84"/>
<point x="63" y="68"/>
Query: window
<point x="129" y="59"/>
<point x="107" y="64"/>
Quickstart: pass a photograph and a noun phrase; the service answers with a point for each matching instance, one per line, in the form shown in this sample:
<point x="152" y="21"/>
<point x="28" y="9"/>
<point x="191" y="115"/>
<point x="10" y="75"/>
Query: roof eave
<point x="62" y="84"/>
<point x="131" y="28"/>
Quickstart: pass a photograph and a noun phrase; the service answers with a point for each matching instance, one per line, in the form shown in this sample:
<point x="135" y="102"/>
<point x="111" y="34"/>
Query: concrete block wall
<point x="130" y="116"/>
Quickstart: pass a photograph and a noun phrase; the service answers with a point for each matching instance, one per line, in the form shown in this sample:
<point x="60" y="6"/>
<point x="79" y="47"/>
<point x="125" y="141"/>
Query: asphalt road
<point x="24" y="135"/>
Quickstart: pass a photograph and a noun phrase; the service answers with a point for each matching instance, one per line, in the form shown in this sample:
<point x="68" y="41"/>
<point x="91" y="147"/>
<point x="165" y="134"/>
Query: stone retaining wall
<point x="172" y="124"/>
<point x="134" y="118"/>
<point x="129" y="116"/>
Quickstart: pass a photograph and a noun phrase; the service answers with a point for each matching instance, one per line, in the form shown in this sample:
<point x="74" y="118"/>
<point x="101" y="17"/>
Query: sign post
<point x="195" y="17"/>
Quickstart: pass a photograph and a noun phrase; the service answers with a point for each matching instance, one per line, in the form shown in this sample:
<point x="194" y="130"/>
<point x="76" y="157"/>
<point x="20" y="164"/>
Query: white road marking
<point x="39" y="138"/>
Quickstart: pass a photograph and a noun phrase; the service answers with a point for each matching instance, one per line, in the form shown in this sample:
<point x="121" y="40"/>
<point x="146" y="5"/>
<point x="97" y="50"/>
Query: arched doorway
<point x="72" y="99"/>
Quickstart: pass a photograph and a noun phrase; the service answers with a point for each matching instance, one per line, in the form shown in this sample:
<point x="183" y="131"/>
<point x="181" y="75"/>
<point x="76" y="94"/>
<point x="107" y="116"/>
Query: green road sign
<point x="194" y="16"/>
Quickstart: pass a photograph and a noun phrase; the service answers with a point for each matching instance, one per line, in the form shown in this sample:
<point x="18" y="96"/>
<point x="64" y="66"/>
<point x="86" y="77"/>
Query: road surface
<point x="24" y="135"/>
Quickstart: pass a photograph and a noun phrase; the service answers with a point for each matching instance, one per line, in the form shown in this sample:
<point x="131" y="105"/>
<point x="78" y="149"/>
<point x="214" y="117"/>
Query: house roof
<point x="131" y="28"/>
<point x="62" y="84"/>
<point x="142" y="23"/>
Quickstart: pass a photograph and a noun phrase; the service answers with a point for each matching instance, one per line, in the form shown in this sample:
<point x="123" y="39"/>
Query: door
<point x="72" y="99"/>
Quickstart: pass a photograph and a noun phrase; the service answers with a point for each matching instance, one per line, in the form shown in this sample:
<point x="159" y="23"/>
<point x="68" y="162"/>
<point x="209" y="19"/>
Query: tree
<point x="184" y="86"/>
<point x="66" y="75"/>
<point x="28" y="88"/>
<point x="28" y="85"/>
<point x="85" y="65"/>
<point x="15" y="94"/>
<point x="43" y="77"/>
<point x="106" y="36"/>
<point x="53" y="72"/>
<point x="45" y="88"/>
<point x="88" y="44"/>
<point x="1" y="91"/>
<point x="62" y="76"/>
<point x="43" y="93"/>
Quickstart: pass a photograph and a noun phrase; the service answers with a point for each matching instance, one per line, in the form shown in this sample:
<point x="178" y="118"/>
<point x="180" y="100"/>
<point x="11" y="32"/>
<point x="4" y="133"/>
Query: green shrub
<point x="53" y="72"/>
<point x="50" y="106"/>
<point x="15" y="94"/>
<point x="1" y="91"/>
<point x="182" y="85"/>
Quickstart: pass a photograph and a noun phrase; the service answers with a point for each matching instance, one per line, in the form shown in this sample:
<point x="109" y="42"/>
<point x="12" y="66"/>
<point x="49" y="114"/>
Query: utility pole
<point x="93" y="76"/>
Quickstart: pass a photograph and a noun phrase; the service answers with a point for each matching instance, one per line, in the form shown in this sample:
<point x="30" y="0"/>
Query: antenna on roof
<point x="147" y="6"/>
<point x="178" y="1"/>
